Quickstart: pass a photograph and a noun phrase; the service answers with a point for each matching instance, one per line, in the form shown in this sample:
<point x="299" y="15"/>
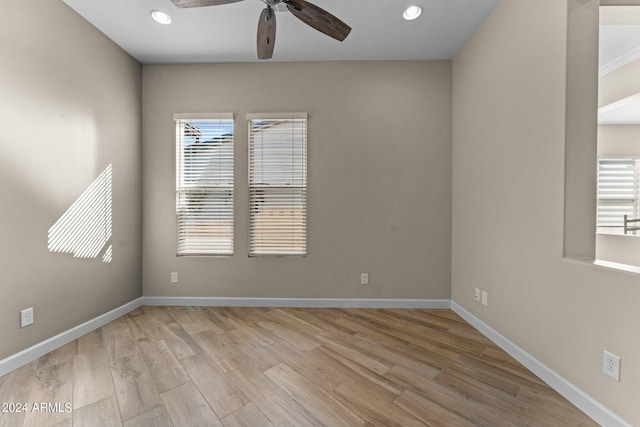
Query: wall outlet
<point x="611" y="365"/>
<point x="477" y="294"/>
<point x="174" y="277"/>
<point x="26" y="317"/>
<point x="485" y="298"/>
<point x="364" y="278"/>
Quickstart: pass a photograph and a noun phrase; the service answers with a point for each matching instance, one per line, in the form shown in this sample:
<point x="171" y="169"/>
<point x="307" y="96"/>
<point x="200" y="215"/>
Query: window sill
<point x="617" y="266"/>
<point x="617" y="233"/>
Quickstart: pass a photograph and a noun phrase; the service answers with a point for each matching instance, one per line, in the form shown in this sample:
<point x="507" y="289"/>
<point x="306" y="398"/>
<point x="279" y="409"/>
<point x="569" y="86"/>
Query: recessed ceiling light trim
<point x="412" y="12"/>
<point x="160" y="16"/>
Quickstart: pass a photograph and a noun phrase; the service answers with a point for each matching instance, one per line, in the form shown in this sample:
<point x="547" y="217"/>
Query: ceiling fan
<point x="305" y="11"/>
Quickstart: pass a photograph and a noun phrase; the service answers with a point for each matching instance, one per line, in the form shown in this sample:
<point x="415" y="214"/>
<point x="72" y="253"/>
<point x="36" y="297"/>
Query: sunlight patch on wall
<point x="85" y="228"/>
<point x="106" y="257"/>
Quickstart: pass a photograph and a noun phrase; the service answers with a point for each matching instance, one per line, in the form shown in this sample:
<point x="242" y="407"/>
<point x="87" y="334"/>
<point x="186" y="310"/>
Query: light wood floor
<point x="184" y="366"/>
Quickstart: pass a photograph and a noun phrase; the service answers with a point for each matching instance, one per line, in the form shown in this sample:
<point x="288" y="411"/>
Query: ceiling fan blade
<point x="200" y="3"/>
<point x="319" y="19"/>
<point x="266" y="33"/>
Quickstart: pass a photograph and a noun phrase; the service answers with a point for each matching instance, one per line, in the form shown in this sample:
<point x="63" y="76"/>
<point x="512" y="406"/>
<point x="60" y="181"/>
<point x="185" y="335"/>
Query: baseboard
<point x="298" y="302"/>
<point x="594" y="409"/>
<point x="30" y="354"/>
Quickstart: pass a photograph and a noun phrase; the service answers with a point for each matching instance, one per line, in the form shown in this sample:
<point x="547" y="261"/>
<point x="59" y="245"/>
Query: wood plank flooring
<point x="197" y="366"/>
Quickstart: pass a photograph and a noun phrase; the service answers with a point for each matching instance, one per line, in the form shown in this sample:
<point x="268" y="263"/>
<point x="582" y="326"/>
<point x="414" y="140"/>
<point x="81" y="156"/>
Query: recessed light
<point x="161" y="17"/>
<point x="412" y="12"/>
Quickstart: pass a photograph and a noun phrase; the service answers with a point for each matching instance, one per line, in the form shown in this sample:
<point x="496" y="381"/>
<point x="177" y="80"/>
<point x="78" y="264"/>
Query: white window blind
<point x="277" y="184"/>
<point x="617" y="191"/>
<point x="204" y="184"/>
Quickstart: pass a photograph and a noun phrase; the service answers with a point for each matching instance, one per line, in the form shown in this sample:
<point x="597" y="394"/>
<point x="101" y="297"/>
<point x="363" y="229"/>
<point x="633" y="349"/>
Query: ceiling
<point x="227" y="33"/>
<point x="623" y="112"/>
<point x="619" y="46"/>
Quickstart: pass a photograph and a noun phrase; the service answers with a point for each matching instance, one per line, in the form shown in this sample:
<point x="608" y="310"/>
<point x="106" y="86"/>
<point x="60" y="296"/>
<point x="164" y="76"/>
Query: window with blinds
<point x="277" y="184"/>
<point x="204" y="184"/>
<point x="617" y="192"/>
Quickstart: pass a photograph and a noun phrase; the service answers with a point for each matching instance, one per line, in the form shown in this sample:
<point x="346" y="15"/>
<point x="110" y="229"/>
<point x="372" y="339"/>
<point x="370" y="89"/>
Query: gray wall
<point x="509" y="103"/>
<point x="70" y="106"/>
<point x="379" y="178"/>
<point x="619" y="140"/>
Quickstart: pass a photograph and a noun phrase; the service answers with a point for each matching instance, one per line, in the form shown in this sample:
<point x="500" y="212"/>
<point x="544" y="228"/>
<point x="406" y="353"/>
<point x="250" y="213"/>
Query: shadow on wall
<point x="84" y="230"/>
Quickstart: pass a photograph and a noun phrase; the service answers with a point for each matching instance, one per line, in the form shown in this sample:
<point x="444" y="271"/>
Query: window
<point x="277" y="184"/>
<point x="618" y="192"/>
<point x="204" y="184"/>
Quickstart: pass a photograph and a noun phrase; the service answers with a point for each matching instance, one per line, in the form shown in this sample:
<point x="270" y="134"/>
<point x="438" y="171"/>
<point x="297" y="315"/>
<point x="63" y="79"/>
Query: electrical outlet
<point x="26" y="317"/>
<point x="611" y="365"/>
<point x="174" y="277"/>
<point x="364" y="278"/>
<point x="485" y="297"/>
<point x="477" y="294"/>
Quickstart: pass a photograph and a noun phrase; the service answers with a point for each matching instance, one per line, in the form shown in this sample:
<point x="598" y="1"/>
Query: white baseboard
<point x="594" y="409"/>
<point x="30" y="354"/>
<point x="298" y="302"/>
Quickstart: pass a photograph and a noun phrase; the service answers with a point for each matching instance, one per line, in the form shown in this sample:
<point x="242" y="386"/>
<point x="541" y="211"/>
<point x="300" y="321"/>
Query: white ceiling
<point x="619" y="46"/>
<point x="227" y="33"/>
<point x="623" y="112"/>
